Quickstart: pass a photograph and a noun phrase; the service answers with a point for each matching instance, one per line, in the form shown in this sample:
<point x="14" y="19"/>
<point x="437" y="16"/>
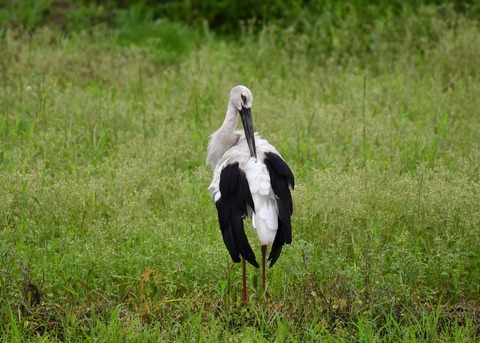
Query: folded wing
<point x="281" y="178"/>
<point x="232" y="208"/>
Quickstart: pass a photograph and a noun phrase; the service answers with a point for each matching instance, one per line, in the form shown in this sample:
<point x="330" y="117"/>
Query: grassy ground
<point x="107" y="230"/>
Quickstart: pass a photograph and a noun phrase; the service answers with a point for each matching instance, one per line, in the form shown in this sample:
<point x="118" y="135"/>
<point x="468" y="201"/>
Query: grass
<point x="107" y="230"/>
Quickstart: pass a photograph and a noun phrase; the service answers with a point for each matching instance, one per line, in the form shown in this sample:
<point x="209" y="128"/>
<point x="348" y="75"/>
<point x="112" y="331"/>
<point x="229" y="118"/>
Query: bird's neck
<point x="231" y="120"/>
<point x="227" y="132"/>
<point x="224" y="138"/>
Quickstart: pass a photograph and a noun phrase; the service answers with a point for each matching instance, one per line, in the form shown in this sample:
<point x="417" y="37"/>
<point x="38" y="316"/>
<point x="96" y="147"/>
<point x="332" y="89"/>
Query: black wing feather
<point x="281" y="178"/>
<point x="232" y="208"/>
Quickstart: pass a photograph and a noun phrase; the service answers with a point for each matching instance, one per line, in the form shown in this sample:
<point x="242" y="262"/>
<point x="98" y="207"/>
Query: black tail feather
<point x="227" y="232"/>
<point x="232" y="208"/>
<point x="277" y="246"/>
<point x="281" y="178"/>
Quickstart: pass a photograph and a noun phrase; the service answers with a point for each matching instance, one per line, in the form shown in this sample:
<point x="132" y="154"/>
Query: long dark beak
<point x="246" y="115"/>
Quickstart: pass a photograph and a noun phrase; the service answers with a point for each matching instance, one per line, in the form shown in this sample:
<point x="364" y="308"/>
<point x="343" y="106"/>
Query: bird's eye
<point x="244" y="99"/>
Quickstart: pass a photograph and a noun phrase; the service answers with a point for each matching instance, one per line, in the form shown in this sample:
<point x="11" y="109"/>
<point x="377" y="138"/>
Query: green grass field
<point x="107" y="231"/>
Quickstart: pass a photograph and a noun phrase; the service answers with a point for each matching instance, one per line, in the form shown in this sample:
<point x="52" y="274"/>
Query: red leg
<point x="264" y="253"/>
<point x="244" y="281"/>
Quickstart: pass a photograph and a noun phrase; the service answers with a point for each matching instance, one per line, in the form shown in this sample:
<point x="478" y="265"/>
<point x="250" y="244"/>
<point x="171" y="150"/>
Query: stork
<point x="249" y="178"/>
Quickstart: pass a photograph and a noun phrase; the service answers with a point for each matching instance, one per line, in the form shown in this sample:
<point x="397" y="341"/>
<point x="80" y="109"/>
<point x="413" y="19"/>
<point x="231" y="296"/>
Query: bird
<point x="250" y="178"/>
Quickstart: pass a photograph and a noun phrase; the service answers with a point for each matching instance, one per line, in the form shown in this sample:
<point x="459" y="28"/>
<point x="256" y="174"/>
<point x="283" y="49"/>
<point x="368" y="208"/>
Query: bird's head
<point x="242" y="98"/>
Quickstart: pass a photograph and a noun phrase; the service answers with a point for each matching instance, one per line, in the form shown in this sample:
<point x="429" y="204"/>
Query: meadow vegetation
<point x="107" y="231"/>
